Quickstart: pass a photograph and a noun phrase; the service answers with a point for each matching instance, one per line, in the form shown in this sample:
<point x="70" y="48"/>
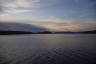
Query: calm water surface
<point x="48" y="49"/>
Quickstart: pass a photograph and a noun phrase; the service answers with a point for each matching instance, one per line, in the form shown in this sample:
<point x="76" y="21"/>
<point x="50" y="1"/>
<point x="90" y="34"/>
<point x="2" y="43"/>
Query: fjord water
<point x="48" y="49"/>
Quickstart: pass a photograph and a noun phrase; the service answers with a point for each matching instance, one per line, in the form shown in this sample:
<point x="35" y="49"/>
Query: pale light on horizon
<point x="57" y="15"/>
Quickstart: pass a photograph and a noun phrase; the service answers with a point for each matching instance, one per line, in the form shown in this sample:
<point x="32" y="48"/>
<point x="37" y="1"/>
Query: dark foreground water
<point x="48" y="49"/>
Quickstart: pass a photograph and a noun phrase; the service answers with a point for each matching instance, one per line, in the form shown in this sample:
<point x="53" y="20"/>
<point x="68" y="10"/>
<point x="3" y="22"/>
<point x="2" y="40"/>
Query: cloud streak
<point x="17" y="6"/>
<point x="56" y="25"/>
<point x="64" y="26"/>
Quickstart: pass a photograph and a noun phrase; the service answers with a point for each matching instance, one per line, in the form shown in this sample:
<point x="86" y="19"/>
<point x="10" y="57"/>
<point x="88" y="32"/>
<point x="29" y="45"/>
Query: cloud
<point x="56" y="25"/>
<point x="64" y="25"/>
<point x="17" y="6"/>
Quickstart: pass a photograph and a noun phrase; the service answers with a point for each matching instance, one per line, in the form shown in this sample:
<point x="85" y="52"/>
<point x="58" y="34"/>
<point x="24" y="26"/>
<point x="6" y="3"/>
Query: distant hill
<point x="63" y="32"/>
<point x="87" y="32"/>
<point x="14" y="32"/>
<point x="20" y="27"/>
<point x="44" y="32"/>
<point x="83" y="32"/>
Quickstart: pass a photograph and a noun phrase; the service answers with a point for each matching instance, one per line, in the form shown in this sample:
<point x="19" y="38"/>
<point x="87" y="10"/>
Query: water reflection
<point x="47" y="49"/>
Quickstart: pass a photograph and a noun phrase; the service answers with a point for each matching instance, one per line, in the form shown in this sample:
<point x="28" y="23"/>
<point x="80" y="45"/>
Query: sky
<point x="56" y="15"/>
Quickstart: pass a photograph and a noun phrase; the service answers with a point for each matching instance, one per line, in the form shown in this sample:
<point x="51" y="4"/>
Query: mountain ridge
<point x="7" y="26"/>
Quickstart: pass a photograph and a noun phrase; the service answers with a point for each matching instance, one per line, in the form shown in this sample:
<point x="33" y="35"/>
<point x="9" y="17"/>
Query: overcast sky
<point x="58" y="15"/>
